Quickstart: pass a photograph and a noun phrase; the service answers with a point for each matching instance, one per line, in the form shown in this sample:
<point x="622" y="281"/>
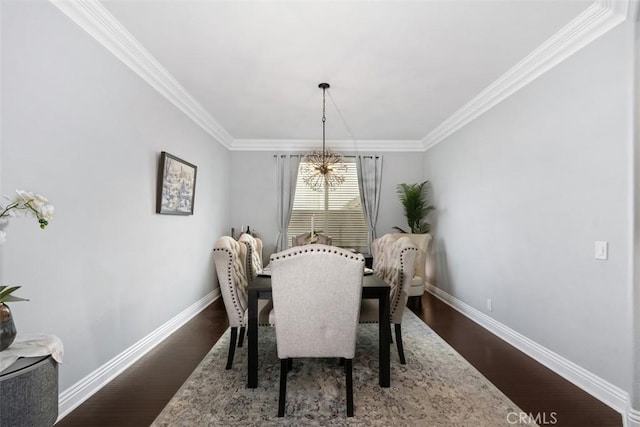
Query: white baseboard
<point x="70" y="398"/>
<point x="602" y="390"/>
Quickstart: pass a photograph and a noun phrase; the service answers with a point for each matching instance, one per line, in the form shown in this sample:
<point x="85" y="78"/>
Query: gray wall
<point x="635" y="298"/>
<point x="253" y="185"/>
<point x="522" y="194"/>
<point x="82" y="129"/>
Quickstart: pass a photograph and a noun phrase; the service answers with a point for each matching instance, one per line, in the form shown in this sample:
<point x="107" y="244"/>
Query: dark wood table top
<point x="370" y="284"/>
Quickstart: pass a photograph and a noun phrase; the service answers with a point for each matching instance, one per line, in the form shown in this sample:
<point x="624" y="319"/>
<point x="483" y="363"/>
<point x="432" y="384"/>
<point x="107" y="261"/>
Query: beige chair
<point x="380" y="256"/>
<point x="394" y="261"/>
<point x="316" y="299"/>
<point x="423" y="242"/>
<point x="305" y="239"/>
<point x="254" y="255"/>
<point x="230" y="261"/>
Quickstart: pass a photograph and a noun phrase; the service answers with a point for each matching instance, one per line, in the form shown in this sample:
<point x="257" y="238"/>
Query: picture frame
<point x="176" y="185"/>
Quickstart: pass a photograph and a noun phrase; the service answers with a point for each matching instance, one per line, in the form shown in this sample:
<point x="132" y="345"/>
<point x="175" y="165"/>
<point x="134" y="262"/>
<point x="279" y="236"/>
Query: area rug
<point x="437" y="387"/>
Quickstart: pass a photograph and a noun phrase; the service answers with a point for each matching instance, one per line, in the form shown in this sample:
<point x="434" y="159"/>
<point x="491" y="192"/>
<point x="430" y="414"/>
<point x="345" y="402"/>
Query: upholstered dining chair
<point x="316" y="299"/>
<point x="254" y="255"/>
<point x="230" y="261"/>
<point x="380" y="256"/>
<point x="393" y="261"/>
<point x="423" y="242"/>
<point x="305" y="239"/>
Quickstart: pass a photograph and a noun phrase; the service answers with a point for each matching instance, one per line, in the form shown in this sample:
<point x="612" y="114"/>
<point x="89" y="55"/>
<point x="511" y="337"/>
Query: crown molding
<point x="92" y="17"/>
<point x="314" y="144"/>
<point x="596" y="20"/>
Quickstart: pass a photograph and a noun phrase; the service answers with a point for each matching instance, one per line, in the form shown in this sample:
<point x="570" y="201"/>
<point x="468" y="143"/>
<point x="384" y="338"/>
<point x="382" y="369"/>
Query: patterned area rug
<point x="436" y="387"/>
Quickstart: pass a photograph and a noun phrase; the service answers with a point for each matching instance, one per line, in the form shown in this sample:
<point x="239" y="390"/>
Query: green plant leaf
<point x="416" y="205"/>
<point x="11" y="298"/>
<point x="6" y="291"/>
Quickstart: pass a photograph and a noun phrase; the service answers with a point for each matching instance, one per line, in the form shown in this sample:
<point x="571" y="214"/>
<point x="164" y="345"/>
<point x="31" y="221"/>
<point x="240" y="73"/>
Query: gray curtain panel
<point x="370" y="180"/>
<point x="287" y="175"/>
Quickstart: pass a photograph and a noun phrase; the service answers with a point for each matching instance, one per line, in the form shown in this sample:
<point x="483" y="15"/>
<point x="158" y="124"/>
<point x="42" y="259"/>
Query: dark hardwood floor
<point x="534" y="388"/>
<point x="137" y="396"/>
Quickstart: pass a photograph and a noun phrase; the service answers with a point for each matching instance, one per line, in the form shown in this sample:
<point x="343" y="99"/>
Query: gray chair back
<point x="394" y="261"/>
<point x="254" y="255"/>
<point x="316" y="301"/>
<point x="230" y="261"/>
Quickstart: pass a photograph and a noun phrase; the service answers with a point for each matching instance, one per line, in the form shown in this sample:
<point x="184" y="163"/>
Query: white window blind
<point x="343" y="219"/>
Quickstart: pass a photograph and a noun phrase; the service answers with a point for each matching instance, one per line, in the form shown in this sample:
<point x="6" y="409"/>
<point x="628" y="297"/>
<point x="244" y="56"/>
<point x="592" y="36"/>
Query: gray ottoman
<point x="29" y="393"/>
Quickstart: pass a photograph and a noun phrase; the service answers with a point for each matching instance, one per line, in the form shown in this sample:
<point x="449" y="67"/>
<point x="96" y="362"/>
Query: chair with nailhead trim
<point x="419" y="281"/>
<point x="254" y="255"/>
<point x="230" y="261"/>
<point x="394" y="262"/>
<point x="253" y="265"/>
<point x="316" y="300"/>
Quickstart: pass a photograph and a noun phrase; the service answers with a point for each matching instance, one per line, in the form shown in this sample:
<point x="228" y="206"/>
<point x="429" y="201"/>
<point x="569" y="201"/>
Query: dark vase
<point x="7" y="327"/>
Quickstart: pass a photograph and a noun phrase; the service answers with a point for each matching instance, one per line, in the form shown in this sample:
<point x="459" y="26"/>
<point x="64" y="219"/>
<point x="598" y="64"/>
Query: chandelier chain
<point x="324" y="170"/>
<point x="324" y="120"/>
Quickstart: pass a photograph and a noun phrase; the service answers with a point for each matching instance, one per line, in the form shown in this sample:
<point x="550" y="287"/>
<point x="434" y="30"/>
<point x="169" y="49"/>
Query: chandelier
<point x="323" y="169"/>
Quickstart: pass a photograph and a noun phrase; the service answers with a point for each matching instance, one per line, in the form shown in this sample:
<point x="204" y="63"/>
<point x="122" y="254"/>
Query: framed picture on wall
<point x="176" y="186"/>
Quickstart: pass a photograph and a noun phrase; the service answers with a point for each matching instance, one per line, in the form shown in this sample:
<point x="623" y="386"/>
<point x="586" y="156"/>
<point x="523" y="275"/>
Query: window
<point x="343" y="219"/>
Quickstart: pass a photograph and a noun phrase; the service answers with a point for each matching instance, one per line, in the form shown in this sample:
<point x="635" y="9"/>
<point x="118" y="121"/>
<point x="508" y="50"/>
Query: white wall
<point x="85" y="131"/>
<point x="253" y="185"/>
<point x="522" y="194"/>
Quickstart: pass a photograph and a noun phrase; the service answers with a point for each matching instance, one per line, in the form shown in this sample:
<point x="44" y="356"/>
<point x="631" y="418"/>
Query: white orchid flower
<point x="46" y="211"/>
<point x="26" y="203"/>
<point x="36" y="205"/>
<point x="24" y="196"/>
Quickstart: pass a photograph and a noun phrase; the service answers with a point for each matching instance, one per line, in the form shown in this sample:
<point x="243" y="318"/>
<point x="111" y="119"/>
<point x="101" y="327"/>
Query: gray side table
<point x="29" y="393"/>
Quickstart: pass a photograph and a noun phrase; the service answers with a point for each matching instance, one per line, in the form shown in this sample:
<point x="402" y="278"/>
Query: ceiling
<point x="397" y="69"/>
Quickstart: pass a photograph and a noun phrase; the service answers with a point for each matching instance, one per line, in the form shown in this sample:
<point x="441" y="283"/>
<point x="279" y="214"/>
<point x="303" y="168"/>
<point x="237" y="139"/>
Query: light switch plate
<point x="602" y="250"/>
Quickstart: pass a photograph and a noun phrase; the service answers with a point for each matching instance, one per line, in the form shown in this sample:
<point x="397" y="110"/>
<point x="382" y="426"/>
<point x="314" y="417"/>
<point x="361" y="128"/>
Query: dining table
<point x="373" y="287"/>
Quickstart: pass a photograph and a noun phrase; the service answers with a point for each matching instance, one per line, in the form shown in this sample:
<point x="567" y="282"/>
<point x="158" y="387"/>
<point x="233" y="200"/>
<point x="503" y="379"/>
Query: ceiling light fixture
<point x="323" y="169"/>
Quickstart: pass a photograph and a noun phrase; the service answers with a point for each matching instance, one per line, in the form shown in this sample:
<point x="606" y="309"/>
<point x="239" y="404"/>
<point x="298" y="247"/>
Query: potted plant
<point x="7" y="327"/>
<point x="25" y="204"/>
<point x="416" y="207"/>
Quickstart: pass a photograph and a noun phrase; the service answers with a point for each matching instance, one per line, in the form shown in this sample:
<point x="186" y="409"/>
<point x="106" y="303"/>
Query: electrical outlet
<point x="489" y="304"/>
<point x="602" y="250"/>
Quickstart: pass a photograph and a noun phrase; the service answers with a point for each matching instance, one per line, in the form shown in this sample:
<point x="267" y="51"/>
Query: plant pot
<point x="7" y="327"/>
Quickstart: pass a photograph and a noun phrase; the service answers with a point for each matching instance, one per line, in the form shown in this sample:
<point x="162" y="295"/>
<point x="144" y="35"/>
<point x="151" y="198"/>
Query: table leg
<point x="384" y="333"/>
<point x="252" y="336"/>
